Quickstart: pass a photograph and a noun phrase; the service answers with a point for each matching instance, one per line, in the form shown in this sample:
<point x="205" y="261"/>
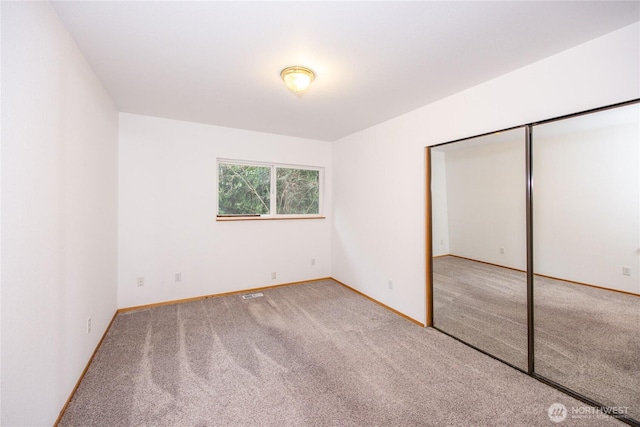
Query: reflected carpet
<point x="586" y="338"/>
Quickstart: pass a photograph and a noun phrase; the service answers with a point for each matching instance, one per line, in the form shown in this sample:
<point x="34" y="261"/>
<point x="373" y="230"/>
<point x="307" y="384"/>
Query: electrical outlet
<point x="178" y="277"/>
<point x="140" y="281"/>
<point x="313" y="261"/>
<point x="273" y="275"/>
<point x="626" y="271"/>
<point x="88" y="324"/>
<point x="390" y="284"/>
<point x="501" y="251"/>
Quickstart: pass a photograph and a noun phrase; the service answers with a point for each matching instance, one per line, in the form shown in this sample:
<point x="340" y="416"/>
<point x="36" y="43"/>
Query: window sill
<point x="267" y="218"/>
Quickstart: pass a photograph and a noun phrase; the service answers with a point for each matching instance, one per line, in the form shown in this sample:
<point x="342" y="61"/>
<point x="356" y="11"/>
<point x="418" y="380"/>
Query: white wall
<point x="167" y="214"/>
<point x="0" y="221"/>
<point x="486" y="199"/>
<point x="59" y="213"/>
<point x="379" y="217"/>
<point x="587" y="199"/>
<point x="439" y="212"/>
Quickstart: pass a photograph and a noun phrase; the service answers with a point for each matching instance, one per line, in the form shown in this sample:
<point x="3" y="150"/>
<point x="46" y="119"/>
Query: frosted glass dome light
<point x="297" y="79"/>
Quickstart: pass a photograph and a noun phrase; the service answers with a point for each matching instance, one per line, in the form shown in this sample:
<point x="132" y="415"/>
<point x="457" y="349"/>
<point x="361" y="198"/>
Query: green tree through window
<point x="298" y="191"/>
<point x="246" y="189"/>
<point x="243" y="189"/>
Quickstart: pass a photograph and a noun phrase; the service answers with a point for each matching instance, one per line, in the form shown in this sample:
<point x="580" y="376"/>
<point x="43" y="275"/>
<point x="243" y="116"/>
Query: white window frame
<point x="272" y="199"/>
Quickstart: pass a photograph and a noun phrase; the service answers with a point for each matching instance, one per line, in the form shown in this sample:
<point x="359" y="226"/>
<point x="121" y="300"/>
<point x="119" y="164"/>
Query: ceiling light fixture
<point x="297" y="79"/>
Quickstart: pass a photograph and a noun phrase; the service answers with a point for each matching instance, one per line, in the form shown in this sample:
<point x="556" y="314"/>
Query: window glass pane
<point x="243" y="189"/>
<point x="298" y="191"/>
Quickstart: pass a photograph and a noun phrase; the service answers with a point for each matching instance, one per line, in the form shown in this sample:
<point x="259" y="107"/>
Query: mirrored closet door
<point x="533" y="248"/>
<point x="586" y="222"/>
<point x="479" y="243"/>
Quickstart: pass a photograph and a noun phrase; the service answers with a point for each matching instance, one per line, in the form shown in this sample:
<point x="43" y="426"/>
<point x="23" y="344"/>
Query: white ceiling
<point x="219" y="62"/>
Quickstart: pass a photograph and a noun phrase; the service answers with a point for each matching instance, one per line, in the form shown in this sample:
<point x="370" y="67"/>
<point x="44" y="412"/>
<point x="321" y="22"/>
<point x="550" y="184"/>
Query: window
<point x="267" y="190"/>
<point x="243" y="189"/>
<point x="297" y="191"/>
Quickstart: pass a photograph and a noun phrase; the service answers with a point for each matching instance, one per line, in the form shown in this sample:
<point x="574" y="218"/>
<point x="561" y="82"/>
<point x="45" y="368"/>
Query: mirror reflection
<point x="479" y="243"/>
<point x="586" y="222"/>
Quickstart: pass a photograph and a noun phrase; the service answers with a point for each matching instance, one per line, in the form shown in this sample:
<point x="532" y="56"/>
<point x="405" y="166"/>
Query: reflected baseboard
<point x="543" y="275"/>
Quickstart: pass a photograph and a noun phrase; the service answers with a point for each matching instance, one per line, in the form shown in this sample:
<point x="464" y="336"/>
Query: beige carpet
<point x="316" y="354"/>
<point x="587" y="339"/>
<point x="483" y="305"/>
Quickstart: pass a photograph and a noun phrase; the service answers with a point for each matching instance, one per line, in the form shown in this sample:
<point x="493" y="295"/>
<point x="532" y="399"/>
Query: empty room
<point x="268" y="213"/>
